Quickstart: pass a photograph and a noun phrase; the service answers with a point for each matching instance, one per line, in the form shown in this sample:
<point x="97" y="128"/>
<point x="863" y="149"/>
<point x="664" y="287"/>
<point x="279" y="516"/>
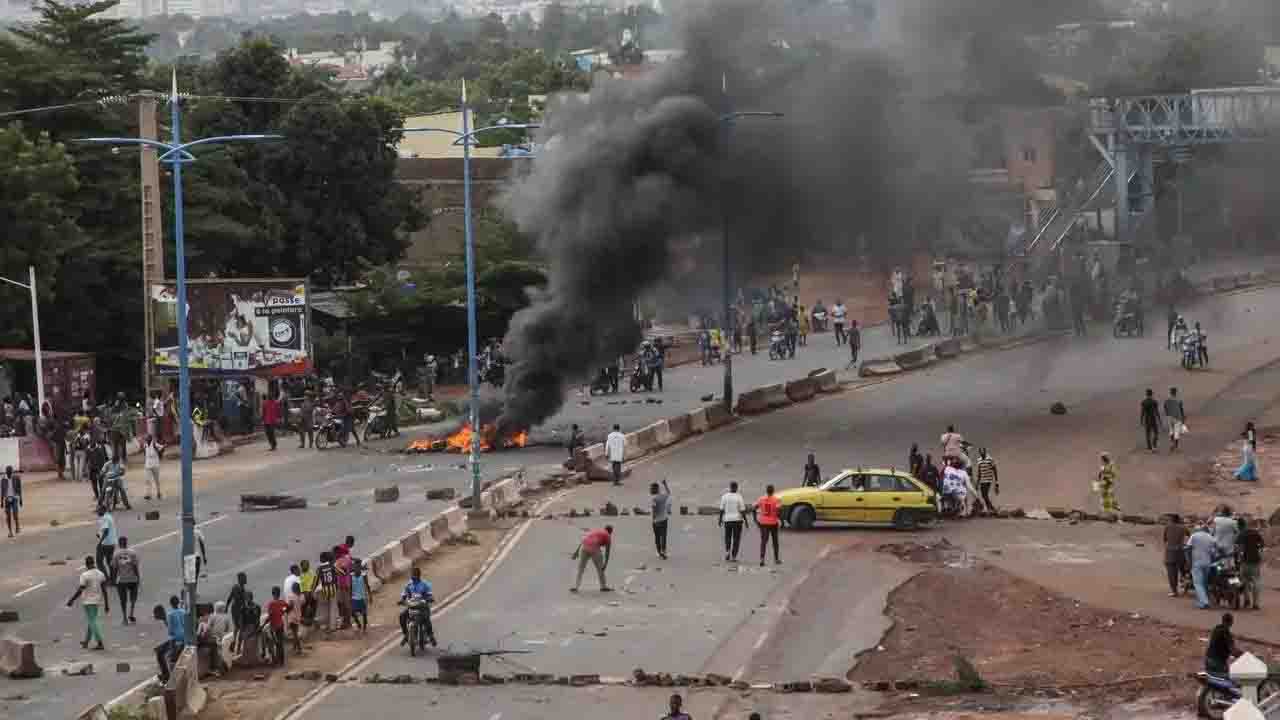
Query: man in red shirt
<point x="595" y="546"/>
<point x="767" y="514"/>
<point x="270" y="418"/>
<point x="277" y="611"/>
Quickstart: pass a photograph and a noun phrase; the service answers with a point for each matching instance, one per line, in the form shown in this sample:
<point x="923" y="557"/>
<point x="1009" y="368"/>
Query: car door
<point x="884" y="495"/>
<point x="842" y="500"/>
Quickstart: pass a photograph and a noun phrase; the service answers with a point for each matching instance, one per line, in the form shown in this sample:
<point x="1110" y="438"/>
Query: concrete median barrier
<point x="698" y="422"/>
<point x="189" y="696"/>
<point x="18" y="659"/>
<point x="680" y="427"/>
<point x="439" y="526"/>
<point x="753" y="402"/>
<point x="662" y="431"/>
<point x="717" y="416"/>
<point x="775" y="395"/>
<point x="947" y="348"/>
<point x="801" y="390"/>
<point x="878" y="367"/>
<point x="1244" y="280"/>
<point x="594" y="452"/>
<point x="641" y="442"/>
<point x="1222" y="284"/>
<point x="457" y="520"/>
<point x="915" y="358"/>
<point x="826" y="381"/>
<point x="388" y="561"/>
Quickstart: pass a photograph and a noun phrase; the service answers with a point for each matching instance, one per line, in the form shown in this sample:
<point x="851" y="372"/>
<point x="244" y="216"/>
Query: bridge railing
<point x="1201" y="116"/>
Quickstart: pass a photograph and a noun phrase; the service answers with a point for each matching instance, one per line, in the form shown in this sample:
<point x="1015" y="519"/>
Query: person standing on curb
<point x="106" y="548"/>
<point x="1175" y="556"/>
<point x="125" y="570"/>
<point x="1150" y="419"/>
<point x="306" y="421"/>
<point x="768" y="515"/>
<point x="676" y="703"/>
<point x="152" y="453"/>
<point x="661" y="500"/>
<point x="91" y="595"/>
<point x="838" y="314"/>
<point x="615" y="447"/>
<point x="576" y="443"/>
<point x="11" y="498"/>
<point x="1251" y="544"/>
<point x="1176" y="416"/>
<point x="270" y="418"/>
<point x="595" y="547"/>
<point x="1202" y="553"/>
<point x="733" y="516"/>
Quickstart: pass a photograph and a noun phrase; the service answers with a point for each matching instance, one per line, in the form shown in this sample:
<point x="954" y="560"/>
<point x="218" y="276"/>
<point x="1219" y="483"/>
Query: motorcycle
<point x="1226" y="587"/>
<point x="641" y="377"/>
<point x="1126" y="324"/>
<point x="777" y="345"/>
<point x="417" y="607"/>
<point x="1190" y="351"/>
<point x="110" y="496"/>
<point x="1218" y="694"/>
<point x="602" y="384"/>
<point x="330" y="431"/>
<point x="379" y="424"/>
<point x="390" y="380"/>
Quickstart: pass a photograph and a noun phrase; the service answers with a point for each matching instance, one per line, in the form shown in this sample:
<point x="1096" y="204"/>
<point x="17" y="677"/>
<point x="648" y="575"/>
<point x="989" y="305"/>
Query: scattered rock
<point x="796" y="686"/>
<point x="609" y="510"/>
<point x="1058" y="409"/>
<point x="331" y="677"/>
<point x="684" y="510"/>
<point x="78" y="669"/>
<point x="153" y="515"/>
<point x="386" y="494"/>
<point x="708" y="510"/>
<point x="584" y="680"/>
<point x="441" y="493"/>
<point x="54" y="523"/>
<point x="8" y="616"/>
<point x="123" y="667"/>
<point x="832" y="685"/>
<point x="639" y="676"/>
<point x="714" y="679"/>
<point x="639" y="511"/>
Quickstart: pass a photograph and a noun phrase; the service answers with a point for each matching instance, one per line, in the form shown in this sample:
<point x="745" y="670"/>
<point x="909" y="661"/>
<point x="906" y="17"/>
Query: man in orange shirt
<point x="767" y="512"/>
<point x="595" y="547"/>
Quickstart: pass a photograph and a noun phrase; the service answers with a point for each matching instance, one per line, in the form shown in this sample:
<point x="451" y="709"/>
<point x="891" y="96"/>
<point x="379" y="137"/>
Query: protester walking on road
<point x="361" y="597"/>
<point x="615" y="446"/>
<point x="152" y="453"/>
<point x="127" y="573"/>
<point x="988" y="476"/>
<point x="768" y="514"/>
<point x="306" y="421"/>
<point x="1175" y="556"/>
<point x="1176" y="416"/>
<point x="1150" y="419"/>
<point x="838" y="314"/>
<point x="576" y="441"/>
<point x="661" y="509"/>
<point x="1225" y="531"/>
<point x="236" y="600"/>
<point x="1248" y="470"/>
<point x="1251" y="545"/>
<point x="733" y="517"/>
<point x="295" y="601"/>
<point x="92" y="596"/>
<point x="676" y="703"/>
<point x="96" y="457"/>
<point x="1202" y="554"/>
<point x="277" y="613"/>
<point x="11" y="498"/>
<point x="106" y="548"/>
<point x="812" y="476"/>
<point x="854" y="339"/>
<point x="1107" y="485"/>
<point x="594" y="548"/>
<point x="270" y="418"/>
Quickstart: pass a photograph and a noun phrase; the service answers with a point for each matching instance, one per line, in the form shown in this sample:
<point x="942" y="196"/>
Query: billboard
<point x="235" y="327"/>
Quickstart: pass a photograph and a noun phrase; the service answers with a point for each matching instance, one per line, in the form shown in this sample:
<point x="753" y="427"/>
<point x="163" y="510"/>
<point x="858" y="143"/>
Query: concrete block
<point x="717" y="416"/>
<point x="752" y="402"/>
<point x="947" y="348"/>
<point x="662" y="431"/>
<point x="8" y="616"/>
<point x="679" y="427"/>
<point x="878" y="367"/>
<point x="99" y="712"/>
<point x="915" y="358"/>
<point x="441" y="493"/>
<point x="386" y="494"/>
<point x="801" y="390"/>
<point x="826" y="381"/>
<point x="776" y="395"/>
<point x="153" y="515"/>
<point x="440" y="527"/>
<point x="698" y="422"/>
<point x="18" y="659"/>
<point x="189" y="696"/>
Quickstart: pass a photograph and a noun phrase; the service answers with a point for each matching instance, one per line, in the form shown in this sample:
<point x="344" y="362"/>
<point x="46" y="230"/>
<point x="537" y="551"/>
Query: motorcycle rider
<point x="416" y="587"/>
<point x="113" y="474"/>
<point x="1222" y="647"/>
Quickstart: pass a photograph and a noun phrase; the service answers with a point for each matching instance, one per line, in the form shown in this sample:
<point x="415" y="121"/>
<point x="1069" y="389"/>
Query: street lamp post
<point x="35" y="332"/>
<point x="175" y="153"/>
<point x="726" y="121"/>
<point x="465" y="138"/>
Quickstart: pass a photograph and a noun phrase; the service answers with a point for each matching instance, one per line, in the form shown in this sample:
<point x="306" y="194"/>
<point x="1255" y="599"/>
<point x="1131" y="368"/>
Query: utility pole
<point x="152" y="233"/>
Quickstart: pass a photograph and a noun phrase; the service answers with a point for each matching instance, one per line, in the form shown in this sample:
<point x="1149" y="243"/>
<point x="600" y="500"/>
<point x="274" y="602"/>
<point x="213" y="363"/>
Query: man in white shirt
<point x="151" y="452"/>
<point x="615" y="447"/>
<point x="733" y="517"/>
<point x="91" y="596"/>
<point x="294" y="576"/>
<point x="838" y="315"/>
<point x="106" y="549"/>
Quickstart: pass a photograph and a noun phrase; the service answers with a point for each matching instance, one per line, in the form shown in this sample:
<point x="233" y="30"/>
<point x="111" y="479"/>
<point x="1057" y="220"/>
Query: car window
<point x="905" y="485"/>
<point x="881" y="483"/>
<point x="839" y="484"/>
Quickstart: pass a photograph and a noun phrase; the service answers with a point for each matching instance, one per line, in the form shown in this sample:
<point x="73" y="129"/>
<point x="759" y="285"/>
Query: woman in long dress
<point x="1248" y="470"/>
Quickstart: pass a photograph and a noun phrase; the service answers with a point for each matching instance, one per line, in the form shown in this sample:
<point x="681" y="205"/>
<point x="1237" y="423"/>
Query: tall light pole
<point x="465" y="138"/>
<point x="726" y="122"/>
<point x="35" y="331"/>
<point x="175" y="153"/>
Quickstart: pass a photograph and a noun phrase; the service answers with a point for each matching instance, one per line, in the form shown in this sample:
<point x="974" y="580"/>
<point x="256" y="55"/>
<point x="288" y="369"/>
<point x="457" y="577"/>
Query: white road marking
<point x="33" y="588"/>
<point x="738" y="675"/>
<point x="495" y="716"/>
<point x="760" y="640"/>
<point x="171" y="533"/>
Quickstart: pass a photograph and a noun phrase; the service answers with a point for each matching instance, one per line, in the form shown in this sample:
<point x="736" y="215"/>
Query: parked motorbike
<point x="390" y="380"/>
<point x="777" y="345"/>
<point x="1226" y="587"/>
<point x="1217" y="694"/>
<point x="417" y="609"/>
<point x="379" y="424"/>
<point x="1190" y="351"/>
<point x="330" y="432"/>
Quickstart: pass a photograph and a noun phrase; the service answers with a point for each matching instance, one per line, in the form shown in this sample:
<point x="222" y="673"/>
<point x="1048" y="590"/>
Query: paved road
<point x="814" y="613"/>
<point x="264" y="544"/>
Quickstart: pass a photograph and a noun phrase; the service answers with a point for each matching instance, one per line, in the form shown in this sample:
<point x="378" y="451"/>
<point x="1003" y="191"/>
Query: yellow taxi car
<point x="871" y="496"/>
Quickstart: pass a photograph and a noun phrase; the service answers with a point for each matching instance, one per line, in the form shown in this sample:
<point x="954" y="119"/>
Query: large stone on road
<point x="18" y="659"/>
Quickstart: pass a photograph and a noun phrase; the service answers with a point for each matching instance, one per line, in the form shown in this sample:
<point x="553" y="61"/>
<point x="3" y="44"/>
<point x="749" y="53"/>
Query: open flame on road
<point x="460" y="441"/>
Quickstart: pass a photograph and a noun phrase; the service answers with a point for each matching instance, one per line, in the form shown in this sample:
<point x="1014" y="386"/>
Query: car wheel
<point x="803" y="517"/>
<point x="906" y="520"/>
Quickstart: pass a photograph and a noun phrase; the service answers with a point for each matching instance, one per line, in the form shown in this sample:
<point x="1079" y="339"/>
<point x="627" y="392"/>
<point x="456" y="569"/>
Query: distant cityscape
<point x="20" y="10"/>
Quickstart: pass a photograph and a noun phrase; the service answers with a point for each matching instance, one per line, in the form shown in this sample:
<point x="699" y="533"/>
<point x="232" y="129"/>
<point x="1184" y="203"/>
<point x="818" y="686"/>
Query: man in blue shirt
<point x="416" y="586"/>
<point x="175" y="621"/>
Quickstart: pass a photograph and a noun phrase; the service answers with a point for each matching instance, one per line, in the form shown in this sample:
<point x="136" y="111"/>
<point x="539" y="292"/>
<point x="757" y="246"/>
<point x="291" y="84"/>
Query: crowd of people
<point x="1224" y="545"/>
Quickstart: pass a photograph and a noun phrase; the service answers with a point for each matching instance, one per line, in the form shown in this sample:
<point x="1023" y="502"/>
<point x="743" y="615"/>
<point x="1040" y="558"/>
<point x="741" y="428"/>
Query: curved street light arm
<point x="509" y="126"/>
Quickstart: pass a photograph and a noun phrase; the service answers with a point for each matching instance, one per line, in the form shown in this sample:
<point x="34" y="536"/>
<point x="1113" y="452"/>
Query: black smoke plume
<point x="872" y="141"/>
